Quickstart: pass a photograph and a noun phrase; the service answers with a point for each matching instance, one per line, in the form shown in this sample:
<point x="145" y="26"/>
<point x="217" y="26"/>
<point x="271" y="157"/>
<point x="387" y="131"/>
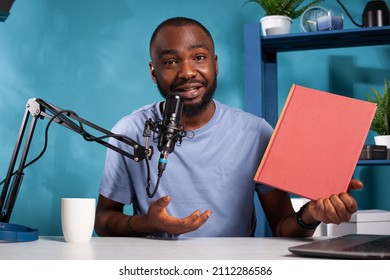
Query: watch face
<point x="309" y="19"/>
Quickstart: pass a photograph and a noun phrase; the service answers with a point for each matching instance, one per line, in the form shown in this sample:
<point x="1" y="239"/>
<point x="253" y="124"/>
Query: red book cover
<point x="316" y="143"/>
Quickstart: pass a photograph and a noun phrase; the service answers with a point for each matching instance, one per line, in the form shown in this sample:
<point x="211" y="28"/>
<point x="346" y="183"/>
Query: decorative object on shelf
<point x="373" y="152"/>
<point x="5" y="7"/>
<point x="318" y="19"/>
<point x="376" y="13"/>
<point x="280" y="13"/>
<point x="381" y="122"/>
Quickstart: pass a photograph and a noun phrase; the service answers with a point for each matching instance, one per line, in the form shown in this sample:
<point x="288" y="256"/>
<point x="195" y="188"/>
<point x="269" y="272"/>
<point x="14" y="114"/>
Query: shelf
<point x="373" y="162"/>
<point x="261" y="55"/>
<point x="327" y="39"/>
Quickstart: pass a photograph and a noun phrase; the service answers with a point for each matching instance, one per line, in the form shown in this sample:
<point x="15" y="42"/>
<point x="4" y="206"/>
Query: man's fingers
<point x="200" y="218"/>
<point x="190" y="223"/>
<point x="349" y="202"/>
<point x="162" y="202"/>
<point x="335" y="209"/>
<point x="355" y="184"/>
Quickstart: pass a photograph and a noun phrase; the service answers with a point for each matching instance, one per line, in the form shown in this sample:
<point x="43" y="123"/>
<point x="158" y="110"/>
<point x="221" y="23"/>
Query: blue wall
<point x="91" y="56"/>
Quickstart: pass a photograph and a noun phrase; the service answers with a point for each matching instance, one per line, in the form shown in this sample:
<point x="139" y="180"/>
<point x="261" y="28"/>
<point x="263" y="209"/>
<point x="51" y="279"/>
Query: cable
<point x="151" y="194"/>
<point x="349" y="15"/>
<point x="177" y="138"/>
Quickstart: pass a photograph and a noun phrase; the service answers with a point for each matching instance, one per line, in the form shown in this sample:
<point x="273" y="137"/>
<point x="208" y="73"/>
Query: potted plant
<point x="280" y="13"/>
<point x="381" y="121"/>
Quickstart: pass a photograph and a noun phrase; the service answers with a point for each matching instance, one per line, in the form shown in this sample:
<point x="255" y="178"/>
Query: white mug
<point x="77" y="219"/>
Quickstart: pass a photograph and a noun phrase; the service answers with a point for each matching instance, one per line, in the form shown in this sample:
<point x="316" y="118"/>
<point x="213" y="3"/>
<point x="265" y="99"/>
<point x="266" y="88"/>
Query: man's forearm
<point x="112" y="223"/>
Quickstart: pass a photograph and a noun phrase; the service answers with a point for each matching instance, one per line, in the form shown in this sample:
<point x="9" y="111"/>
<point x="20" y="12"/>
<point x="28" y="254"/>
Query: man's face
<point x="183" y="61"/>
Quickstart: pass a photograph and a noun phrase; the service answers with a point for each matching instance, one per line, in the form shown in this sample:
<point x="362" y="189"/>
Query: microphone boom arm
<point x="39" y="109"/>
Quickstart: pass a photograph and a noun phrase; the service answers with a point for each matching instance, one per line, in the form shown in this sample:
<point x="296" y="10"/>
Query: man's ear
<point x="216" y="64"/>
<point x="152" y="72"/>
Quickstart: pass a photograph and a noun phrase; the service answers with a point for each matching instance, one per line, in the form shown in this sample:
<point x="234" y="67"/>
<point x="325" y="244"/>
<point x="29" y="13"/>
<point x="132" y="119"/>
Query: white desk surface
<point x="115" y="248"/>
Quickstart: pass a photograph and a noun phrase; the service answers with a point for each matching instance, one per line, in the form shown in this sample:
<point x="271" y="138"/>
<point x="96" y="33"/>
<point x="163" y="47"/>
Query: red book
<point x="316" y="143"/>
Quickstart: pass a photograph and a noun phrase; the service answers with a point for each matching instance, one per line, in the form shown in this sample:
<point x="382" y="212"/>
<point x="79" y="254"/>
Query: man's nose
<point x="187" y="70"/>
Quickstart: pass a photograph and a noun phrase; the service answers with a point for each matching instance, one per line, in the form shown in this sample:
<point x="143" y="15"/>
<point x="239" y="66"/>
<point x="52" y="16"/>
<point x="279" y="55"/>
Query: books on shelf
<point x="316" y="143"/>
<point x="372" y="221"/>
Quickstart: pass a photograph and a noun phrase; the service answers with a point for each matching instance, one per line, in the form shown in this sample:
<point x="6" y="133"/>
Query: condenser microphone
<point x="170" y="130"/>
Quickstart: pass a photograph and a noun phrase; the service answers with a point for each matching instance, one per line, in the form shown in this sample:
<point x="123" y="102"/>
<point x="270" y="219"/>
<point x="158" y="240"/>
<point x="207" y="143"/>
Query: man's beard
<point x="193" y="110"/>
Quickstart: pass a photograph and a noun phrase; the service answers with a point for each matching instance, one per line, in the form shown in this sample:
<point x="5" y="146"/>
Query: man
<point x="207" y="189"/>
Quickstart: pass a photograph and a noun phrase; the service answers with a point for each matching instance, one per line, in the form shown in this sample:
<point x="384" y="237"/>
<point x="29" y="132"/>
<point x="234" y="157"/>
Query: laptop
<point x="350" y="246"/>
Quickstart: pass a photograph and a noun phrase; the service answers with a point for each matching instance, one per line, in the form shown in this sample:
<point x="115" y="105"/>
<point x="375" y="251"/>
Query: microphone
<point x="171" y="130"/>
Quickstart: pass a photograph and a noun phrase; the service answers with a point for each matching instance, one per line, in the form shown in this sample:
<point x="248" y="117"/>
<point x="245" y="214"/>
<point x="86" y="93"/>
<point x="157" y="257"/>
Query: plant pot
<point x="275" y="25"/>
<point x="383" y="140"/>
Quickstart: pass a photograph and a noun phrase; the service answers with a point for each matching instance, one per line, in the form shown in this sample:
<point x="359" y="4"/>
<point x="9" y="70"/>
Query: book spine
<point x="271" y="141"/>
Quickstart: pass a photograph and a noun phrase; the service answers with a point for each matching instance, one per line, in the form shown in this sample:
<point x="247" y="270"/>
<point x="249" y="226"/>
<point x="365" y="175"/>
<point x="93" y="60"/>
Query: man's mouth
<point x="188" y="92"/>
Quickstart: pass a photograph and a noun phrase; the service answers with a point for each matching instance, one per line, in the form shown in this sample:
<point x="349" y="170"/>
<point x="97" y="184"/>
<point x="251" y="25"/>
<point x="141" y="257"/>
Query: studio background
<point x="92" y="57"/>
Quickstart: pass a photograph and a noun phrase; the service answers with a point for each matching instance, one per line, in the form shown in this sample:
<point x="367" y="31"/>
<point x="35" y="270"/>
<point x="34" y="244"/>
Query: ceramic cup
<point x="77" y="219"/>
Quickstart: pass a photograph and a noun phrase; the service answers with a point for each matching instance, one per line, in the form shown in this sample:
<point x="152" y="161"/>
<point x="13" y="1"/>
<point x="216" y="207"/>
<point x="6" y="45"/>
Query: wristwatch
<point x="301" y="223"/>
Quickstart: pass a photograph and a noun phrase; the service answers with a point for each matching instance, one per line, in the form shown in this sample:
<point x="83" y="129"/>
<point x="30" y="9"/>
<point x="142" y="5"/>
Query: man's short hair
<point x="178" y="21"/>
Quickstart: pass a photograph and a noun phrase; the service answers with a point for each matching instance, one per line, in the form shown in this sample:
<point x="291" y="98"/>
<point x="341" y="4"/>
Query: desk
<point x="115" y="248"/>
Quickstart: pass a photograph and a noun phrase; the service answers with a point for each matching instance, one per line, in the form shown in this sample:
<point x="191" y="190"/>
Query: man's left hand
<point x="337" y="208"/>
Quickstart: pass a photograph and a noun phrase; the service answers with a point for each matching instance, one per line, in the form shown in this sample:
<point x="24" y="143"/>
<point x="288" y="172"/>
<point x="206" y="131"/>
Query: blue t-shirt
<point x="212" y="170"/>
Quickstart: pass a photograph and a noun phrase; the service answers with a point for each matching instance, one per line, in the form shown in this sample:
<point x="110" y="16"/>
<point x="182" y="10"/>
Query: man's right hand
<point x="111" y="221"/>
<point x="158" y="220"/>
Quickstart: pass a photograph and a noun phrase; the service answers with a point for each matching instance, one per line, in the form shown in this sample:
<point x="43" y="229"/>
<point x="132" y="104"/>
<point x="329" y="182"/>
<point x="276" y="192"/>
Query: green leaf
<point x="381" y="121"/>
<point x="288" y="8"/>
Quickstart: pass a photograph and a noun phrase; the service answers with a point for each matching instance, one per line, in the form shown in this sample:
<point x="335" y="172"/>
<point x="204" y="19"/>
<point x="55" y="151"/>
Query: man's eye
<point x="169" y="62"/>
<point x="200" y="57"/>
